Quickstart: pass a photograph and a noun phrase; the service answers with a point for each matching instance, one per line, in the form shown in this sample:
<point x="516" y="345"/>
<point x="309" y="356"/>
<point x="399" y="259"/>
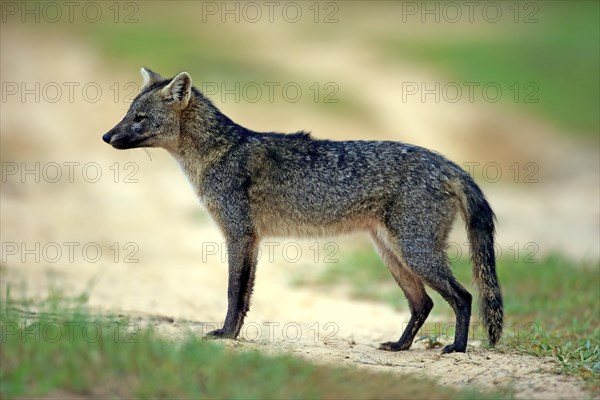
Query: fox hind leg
<point x="419" y="302"/>
<point x="431" y="265"/>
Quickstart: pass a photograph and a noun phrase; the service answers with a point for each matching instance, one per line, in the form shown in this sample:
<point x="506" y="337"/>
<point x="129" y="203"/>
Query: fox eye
<point x="139" y="118"/>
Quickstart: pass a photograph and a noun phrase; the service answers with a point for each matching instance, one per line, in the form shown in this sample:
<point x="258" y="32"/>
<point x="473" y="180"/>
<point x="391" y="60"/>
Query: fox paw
<point x="393" y="346"/>
<point x="219" y="334"/>
<point x="454" y="348"/>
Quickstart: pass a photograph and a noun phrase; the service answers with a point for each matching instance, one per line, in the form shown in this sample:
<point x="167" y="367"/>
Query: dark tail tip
<point x="492" y="312"/>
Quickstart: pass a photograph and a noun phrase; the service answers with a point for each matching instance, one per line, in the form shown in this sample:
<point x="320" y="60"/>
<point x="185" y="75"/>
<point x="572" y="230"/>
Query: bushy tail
<point x="479" y="218"/>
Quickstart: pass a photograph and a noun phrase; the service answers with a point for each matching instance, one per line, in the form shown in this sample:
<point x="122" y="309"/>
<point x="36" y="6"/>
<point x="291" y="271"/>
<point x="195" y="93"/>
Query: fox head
<point x="153" y="119"/>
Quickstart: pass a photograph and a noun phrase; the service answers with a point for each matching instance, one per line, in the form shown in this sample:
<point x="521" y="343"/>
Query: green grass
<point x="559" y="54"/>
<point x="57" y="352"/>
<point x="552" y="306"/>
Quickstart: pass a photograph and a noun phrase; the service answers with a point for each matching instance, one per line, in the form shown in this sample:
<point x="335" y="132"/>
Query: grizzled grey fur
<point x="258" y="185"/>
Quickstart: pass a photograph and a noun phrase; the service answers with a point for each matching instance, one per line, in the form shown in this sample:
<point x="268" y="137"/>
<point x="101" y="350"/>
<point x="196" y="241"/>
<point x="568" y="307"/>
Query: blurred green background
<point x="553" y="45"/>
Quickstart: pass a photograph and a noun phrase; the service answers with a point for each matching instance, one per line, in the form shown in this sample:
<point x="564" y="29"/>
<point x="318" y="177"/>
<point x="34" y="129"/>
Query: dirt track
<point x="162" y="219"/>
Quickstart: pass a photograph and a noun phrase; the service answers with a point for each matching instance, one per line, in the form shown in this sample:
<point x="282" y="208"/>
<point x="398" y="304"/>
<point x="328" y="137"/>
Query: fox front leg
<point x="242" y="267"/>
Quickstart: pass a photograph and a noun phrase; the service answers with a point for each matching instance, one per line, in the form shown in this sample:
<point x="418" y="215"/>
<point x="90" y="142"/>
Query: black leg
<point x="242" y="268"/>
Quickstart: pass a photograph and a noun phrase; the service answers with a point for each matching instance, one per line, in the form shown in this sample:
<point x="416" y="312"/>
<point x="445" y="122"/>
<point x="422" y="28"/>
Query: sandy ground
<point x="158" y="263"/>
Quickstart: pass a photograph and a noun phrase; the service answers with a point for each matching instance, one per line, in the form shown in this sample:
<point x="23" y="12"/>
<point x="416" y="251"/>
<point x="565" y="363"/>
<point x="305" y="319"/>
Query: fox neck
<point x="206" y="135"/>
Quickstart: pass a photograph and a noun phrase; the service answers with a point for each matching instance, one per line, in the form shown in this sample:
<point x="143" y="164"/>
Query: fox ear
<point x="179" y="89"/>
<point x="149" y="77"/>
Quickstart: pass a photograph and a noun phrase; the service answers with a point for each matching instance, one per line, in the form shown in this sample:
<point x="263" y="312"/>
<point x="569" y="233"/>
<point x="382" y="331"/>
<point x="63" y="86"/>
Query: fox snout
<point x="107" y="136"/>
<point x="122" y="139"/>
<point x="117" y="139"/>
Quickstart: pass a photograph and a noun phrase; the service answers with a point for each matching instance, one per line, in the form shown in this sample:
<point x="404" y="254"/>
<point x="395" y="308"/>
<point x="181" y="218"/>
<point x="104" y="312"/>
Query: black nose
<point x="106" y="137"/>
